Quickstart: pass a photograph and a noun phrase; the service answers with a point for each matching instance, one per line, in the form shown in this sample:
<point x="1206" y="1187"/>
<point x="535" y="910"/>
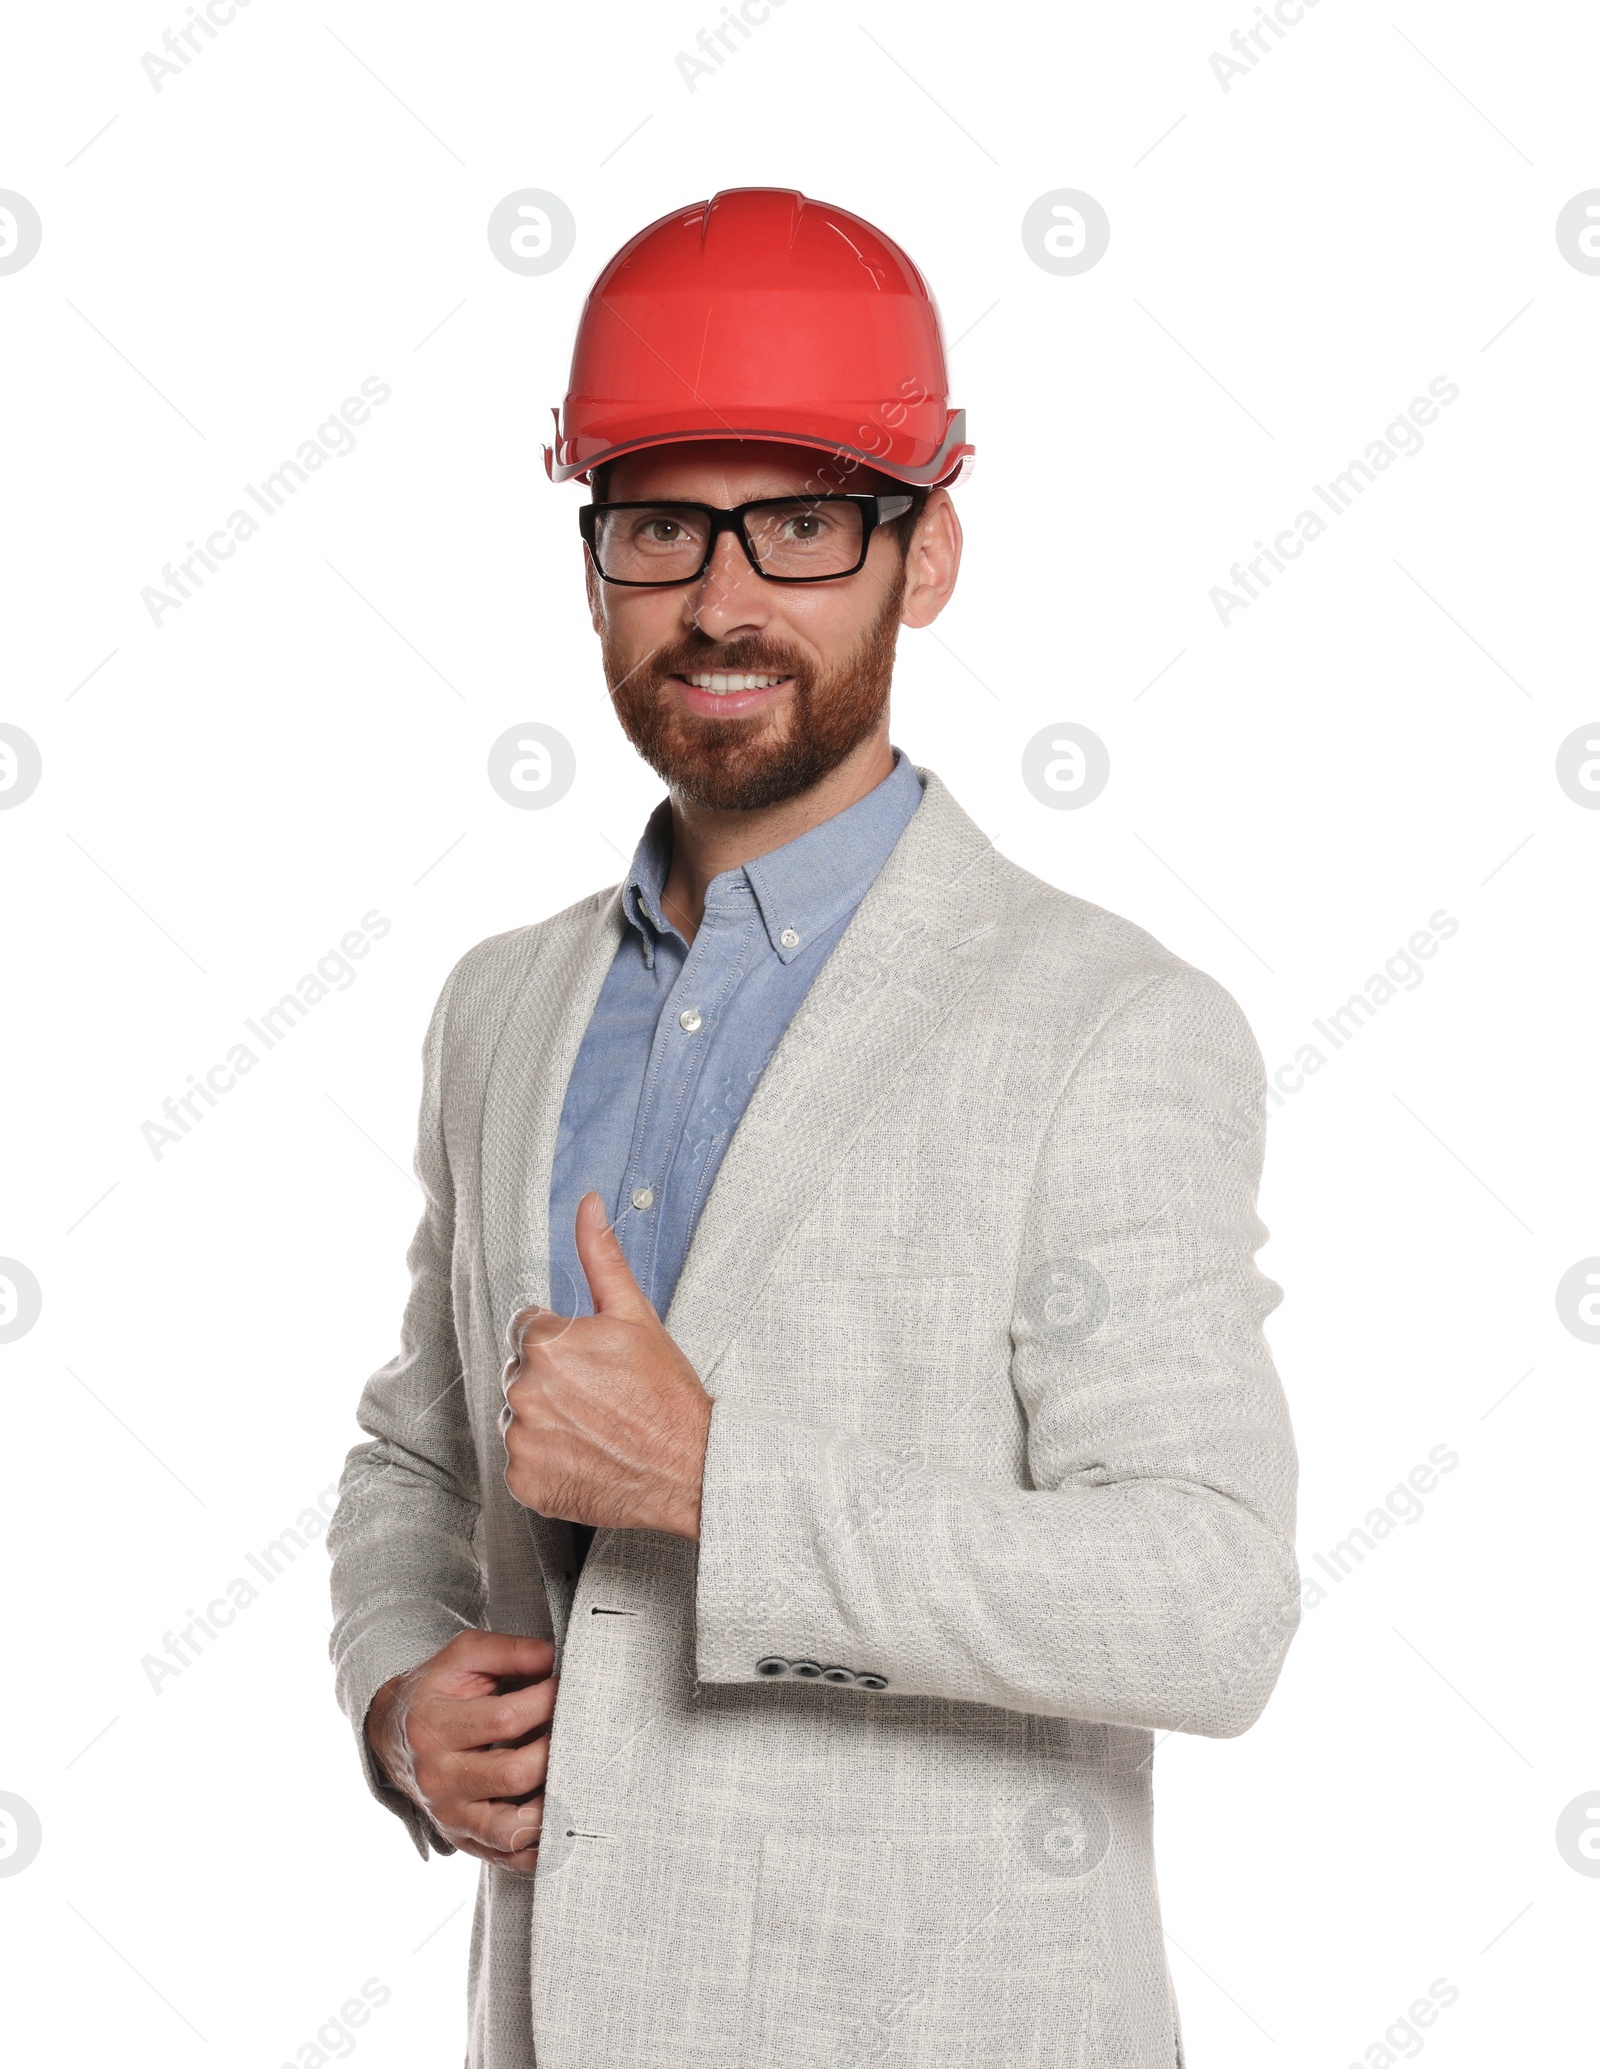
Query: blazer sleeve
<point x="1146" y="1577"/>
<point x="406" y="1577"/>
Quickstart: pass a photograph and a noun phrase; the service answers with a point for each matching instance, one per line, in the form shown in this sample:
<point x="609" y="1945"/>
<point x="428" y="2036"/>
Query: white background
<point x="304" y="740"/>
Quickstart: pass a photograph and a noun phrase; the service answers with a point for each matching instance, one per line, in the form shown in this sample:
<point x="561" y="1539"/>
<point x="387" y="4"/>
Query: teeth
<point x="723" y="685"/>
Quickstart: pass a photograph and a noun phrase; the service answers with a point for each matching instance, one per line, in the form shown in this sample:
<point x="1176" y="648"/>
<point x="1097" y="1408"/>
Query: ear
<point x="933" y="560"/>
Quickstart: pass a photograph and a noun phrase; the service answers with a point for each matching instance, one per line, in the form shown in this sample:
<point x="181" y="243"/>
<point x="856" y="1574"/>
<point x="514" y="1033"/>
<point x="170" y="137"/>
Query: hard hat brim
<point x="566" y="460"/>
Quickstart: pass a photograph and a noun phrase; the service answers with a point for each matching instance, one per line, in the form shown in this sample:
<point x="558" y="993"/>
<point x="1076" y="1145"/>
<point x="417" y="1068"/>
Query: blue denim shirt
<point x="681" y="1032"/>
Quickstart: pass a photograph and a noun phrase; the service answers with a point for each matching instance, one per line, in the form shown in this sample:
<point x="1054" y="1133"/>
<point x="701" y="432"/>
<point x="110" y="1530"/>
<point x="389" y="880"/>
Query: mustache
<point x="700" y="655"/>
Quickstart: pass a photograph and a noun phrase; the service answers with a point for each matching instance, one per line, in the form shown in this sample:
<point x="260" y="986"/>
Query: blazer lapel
<point x="523" y="1098"/>
<point x="895" y="975"/>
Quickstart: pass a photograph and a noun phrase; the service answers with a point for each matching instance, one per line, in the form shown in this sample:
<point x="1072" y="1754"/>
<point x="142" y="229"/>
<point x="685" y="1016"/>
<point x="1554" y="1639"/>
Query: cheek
<point x="633" y="621"/>
<point x="828" y="625"/>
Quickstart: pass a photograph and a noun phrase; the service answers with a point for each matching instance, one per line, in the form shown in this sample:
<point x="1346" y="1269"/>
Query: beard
<point x="744" y="764"/>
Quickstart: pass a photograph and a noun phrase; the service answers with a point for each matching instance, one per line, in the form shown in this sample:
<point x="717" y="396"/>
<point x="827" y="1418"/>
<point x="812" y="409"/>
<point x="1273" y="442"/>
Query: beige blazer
<point x="1000" y="1484"/>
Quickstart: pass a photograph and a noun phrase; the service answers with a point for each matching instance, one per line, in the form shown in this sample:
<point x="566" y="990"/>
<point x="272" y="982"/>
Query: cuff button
<point x="805" y="1670"/>
<point x="871" y="1681"/>
<point x="772" y="1666"/>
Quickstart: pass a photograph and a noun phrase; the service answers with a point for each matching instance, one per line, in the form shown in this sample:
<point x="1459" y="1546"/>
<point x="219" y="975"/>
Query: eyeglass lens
<point x="665" y="542"/>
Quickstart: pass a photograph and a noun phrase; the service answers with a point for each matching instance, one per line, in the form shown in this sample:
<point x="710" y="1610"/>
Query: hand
<point x="605" y="1419"/>
<point x="455" y="1739"/>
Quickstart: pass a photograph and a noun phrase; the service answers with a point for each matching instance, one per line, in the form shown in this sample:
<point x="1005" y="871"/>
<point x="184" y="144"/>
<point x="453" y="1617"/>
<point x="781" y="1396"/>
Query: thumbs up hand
<point x="605" y="1419"/>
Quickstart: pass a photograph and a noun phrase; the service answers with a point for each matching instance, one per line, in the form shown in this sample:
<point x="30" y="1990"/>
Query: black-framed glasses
<point x="785" y="538"/>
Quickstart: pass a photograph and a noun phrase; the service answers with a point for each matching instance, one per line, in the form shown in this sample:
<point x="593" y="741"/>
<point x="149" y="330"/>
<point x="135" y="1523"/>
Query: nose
<point x="730" y="600"/>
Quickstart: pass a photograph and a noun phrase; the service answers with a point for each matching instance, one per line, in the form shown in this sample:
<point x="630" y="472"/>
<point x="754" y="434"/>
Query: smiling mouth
<point x="728" y="685"/>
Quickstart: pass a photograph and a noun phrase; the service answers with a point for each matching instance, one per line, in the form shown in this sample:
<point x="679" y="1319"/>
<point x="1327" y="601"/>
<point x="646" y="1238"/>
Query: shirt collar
<point x="801" y="889"/>
<point x="810" y="884"/>
<point x="647" y="875"/>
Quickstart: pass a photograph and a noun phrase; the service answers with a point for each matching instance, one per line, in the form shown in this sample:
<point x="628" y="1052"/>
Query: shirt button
<point x="789" y="938"/>
<point x="643" y="1196"/>
<point x="689" y="1019"/>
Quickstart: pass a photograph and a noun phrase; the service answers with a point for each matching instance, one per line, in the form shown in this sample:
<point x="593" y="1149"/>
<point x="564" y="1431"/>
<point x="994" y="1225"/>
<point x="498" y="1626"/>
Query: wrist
<point x="377" y="1730"/>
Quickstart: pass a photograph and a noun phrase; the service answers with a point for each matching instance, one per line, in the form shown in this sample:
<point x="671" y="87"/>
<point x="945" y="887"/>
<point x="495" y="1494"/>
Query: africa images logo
<point x="1402" y="437"/>
<point x="335" y="971"/>
<point x="335" y="438"/>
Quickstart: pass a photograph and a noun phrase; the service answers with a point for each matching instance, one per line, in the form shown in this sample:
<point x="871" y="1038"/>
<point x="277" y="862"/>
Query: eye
<point x="805" y="527"/>
<point x="663" y="531"/>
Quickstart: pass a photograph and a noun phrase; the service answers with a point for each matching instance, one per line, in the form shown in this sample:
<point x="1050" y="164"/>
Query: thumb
<point x="612" y="1286"/>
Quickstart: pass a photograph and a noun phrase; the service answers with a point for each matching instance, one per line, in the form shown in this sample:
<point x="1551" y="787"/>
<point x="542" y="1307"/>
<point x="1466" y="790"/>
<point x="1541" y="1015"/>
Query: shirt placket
<point x="716" y="962"/>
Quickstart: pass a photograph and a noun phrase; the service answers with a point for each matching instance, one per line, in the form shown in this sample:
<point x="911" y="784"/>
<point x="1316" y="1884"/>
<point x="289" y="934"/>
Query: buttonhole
<point x="596" y="1610"/>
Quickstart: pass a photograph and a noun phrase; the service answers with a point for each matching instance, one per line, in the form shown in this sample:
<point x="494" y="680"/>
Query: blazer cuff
<point x="764" y="1607"/>
<point x="377" y="1656"/>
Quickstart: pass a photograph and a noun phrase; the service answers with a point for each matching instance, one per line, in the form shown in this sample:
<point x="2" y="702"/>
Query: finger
<point x="612" y="1286"/>
<point x="501" y="1776"/>
<point x="528" y="1328"/>
<point x="514" y="1329"/>
<point x="472" y="1724"/>
<point x="507" y="1827"/>
<point x="477" y="1656"/>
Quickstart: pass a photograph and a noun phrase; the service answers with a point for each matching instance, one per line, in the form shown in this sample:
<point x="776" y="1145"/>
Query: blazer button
<point x="871" y="1681"/>
<point x="805" y="1670"/>
<point x="772" y="1665"/>
<point x="840" y="1676"/>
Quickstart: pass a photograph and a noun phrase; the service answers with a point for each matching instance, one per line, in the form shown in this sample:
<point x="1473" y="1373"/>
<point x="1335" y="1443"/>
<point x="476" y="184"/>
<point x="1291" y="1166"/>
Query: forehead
<point x="729" y="471"/>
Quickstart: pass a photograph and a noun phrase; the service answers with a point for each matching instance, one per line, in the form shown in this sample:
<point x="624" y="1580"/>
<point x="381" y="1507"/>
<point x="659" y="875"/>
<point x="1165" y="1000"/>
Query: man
<point x="887" y="1446"/>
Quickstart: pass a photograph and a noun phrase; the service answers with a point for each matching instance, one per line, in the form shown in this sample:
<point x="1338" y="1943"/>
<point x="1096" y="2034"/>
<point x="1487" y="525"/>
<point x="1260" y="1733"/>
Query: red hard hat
<point x="760" y="314"/>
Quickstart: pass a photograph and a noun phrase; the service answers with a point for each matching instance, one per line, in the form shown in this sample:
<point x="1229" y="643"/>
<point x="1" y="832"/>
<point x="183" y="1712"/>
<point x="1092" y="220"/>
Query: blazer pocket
<point x="898" y="1949"/>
